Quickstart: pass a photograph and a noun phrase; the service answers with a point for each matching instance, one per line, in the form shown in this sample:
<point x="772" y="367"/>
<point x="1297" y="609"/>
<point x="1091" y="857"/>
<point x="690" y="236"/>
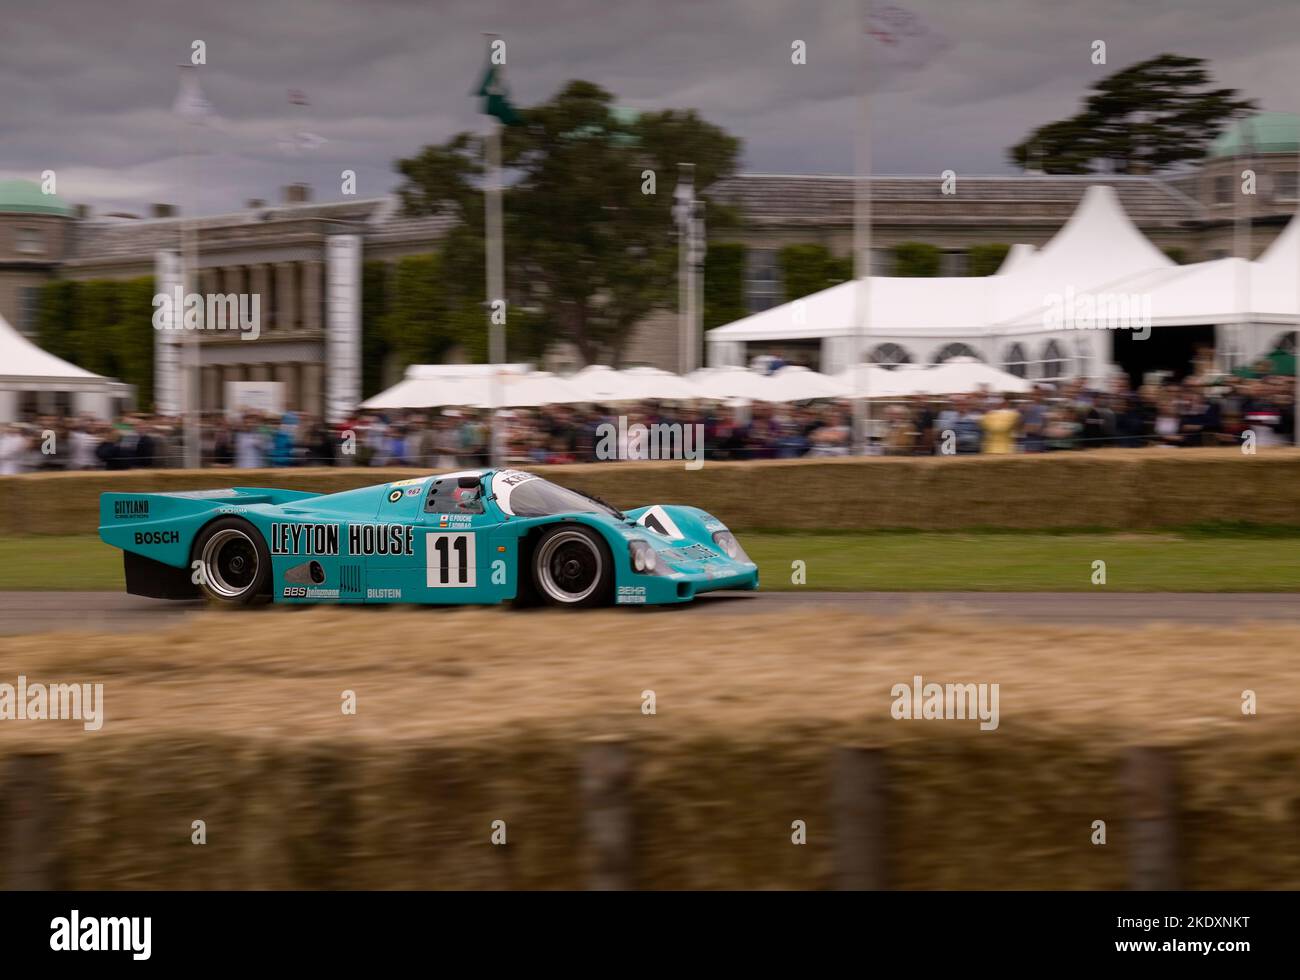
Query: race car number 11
<point x="450" y="561"/>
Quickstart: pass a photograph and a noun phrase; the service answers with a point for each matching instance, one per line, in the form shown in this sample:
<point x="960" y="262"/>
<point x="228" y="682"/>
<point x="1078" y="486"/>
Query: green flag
<point x="493" y="90"/>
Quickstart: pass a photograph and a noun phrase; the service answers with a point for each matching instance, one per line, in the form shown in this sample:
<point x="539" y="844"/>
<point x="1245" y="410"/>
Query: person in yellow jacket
<point x="1000" y="423"/>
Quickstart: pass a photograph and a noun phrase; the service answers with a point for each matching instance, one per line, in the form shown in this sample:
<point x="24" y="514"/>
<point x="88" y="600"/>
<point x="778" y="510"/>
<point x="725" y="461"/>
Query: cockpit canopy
<point x="523" y="494"/>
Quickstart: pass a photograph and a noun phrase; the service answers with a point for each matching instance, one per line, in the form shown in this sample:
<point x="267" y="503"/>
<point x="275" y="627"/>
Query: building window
<point x="1015" y="362"/>
<point x="30" y="241"/>
<point x="1082" y="359"/>
<point x="1223" y="189"/>
<point x="1054" y="365"/>
<point x="762" y="280"/>
<point x="953" y="264"/>
<point x="29" y="310"/>
<point x="889" y="356"/>
<point x="1285" y="185"/>
<point x="950" y="351"/>
<point x="1228" y="348"/>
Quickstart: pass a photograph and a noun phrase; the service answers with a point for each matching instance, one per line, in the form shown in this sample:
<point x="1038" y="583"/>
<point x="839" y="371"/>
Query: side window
<point x="445" y="497"/>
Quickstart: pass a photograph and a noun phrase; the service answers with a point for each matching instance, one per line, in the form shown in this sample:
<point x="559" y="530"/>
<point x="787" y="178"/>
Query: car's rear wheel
<point x="234" y="563"/>
<point x="572" y="567"/>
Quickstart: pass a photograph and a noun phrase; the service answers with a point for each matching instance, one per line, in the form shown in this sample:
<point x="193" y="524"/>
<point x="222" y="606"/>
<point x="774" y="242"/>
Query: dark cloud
<point x="89" y="85"/>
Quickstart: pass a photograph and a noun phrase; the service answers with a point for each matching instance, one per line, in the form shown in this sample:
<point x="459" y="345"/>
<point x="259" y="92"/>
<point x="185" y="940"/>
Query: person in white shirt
<point x="250" y="445"/>
<point x="13" y="450"/>
<point x="84" y="442"/>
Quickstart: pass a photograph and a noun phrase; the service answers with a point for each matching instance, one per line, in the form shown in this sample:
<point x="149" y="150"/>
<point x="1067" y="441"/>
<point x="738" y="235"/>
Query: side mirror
<point x="467" y="482"/>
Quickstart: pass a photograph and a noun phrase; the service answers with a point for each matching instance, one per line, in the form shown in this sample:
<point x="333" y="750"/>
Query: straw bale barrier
<point x="1115" y="489"/>
<point x="466" y="717"/>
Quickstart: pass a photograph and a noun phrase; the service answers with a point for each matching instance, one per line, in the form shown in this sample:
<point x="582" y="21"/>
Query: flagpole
<point x="861" y="240"/>
<point x="1241" y="220"/>
<point x="697" y="284"/>
<point x="495" y="272"/>
<point x="683" y="208"/>
<point x="190" y="278"/>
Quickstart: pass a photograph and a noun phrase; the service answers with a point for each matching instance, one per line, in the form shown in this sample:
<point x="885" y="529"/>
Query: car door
<point x="457" y="544"/>
<point x="385" y="550"/>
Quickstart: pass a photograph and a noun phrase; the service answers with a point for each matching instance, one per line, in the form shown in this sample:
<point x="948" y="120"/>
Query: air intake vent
<point x="350" y="579"/>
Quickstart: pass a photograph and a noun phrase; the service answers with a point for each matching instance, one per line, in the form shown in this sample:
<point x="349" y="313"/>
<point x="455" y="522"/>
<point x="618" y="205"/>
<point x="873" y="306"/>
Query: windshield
<point x="525" y="495"/>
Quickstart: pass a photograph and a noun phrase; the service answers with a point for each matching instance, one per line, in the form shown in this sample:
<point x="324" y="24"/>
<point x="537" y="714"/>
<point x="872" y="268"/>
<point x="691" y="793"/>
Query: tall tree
<point x="1149" y="117"/>
<point x="588" y="251"/>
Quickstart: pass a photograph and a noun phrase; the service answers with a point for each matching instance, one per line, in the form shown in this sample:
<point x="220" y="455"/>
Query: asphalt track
<point x="41" y="612"/>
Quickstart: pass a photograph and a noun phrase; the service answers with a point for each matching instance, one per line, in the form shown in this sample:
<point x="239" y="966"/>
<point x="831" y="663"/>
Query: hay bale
<point x="241" y="727"/>
<point x="1106" y="489"/>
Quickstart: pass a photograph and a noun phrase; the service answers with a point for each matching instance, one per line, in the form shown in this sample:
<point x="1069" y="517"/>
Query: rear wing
<point x="162" y="525"/>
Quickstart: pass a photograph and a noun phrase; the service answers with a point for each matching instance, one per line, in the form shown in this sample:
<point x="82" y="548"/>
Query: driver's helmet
<point x="465" y="496"/>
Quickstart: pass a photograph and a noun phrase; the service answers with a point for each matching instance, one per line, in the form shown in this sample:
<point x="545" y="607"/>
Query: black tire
<point x="226" y="549"/>
<point x="572" y="567"/>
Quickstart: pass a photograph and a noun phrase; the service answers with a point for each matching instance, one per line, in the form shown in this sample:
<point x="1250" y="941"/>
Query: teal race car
<point x="476" y="536"/>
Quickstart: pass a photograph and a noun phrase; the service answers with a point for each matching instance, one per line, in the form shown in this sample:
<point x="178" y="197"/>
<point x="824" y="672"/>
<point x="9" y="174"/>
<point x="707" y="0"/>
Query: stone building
<point x="34" y="229"/>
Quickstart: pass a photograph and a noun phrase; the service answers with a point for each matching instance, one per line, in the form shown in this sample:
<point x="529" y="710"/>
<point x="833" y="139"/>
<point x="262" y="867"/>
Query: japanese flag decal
<point x="657" y="519"/>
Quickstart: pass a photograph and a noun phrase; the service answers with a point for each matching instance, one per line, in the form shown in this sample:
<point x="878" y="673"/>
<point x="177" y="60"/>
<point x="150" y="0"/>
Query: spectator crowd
<point x="1069" y="417"/>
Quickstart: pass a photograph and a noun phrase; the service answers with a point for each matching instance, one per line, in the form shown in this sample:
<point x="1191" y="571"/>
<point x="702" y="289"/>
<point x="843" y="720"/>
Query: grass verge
<point x="1191" y="560"/>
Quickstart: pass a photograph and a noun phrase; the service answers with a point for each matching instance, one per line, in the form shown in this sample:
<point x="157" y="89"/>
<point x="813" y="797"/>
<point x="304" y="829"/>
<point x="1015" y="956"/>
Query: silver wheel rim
<point x="554" y="549"/>
<point x="219" y="552"/>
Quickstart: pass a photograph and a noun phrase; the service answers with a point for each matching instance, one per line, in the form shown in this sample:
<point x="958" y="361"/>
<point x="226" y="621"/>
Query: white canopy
<point x="25" y="367"/>
<point x="964" y="374"/>
<point x="424" y="393"/>
<point x="1016" y="257"/>
<point x="513" y="390"/>
<point x="1098" y="259"/>
<point x="644" y="384"/>
<point x="533" y="390"/>
<point x="1098" y="248"/>
<point x="22" y="363"/>
<point x="724" y="384"/>
<point x="799" y="384"/>
<point x="874" y="381"/>
<point x="599" y="384"/>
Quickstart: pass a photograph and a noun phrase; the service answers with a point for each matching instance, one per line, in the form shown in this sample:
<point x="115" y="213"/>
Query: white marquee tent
<point x="1014" y="318"/>
<point x="26" y="372"/>
<point x="961" y="374"/>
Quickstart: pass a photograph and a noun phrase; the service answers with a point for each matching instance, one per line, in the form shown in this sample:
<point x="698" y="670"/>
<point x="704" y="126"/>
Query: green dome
<point x="1265" y="132"/>
<point x="25" y="197"/>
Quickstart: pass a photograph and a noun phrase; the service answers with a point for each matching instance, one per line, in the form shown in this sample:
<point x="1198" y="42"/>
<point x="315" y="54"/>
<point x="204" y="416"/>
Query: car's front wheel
<point x="233" y="562"/>
<point x="572" y="567"/>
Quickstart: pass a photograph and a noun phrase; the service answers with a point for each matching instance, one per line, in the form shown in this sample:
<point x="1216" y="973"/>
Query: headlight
<point x="644" y="559"/>
<point x="730" y="546"/>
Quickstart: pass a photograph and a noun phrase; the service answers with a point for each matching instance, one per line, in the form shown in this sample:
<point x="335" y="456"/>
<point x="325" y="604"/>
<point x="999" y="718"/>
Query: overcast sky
<point x="89" y="84"/>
